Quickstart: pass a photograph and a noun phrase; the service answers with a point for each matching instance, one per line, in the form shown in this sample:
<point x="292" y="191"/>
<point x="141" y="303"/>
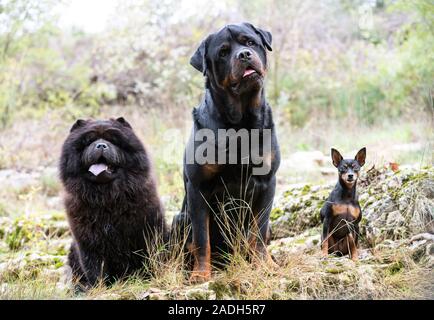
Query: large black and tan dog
<point x="234" y="63"/>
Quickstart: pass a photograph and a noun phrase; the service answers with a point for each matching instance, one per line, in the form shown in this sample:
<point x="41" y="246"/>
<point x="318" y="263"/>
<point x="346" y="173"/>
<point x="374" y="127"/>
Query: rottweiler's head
<point x="234" y="59"/>
<point x="348" y="168"/>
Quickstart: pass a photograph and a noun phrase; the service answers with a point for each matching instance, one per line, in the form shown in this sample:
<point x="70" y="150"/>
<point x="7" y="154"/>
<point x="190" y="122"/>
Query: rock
<point x="18" y="180"/>
<point x="54" y="202"/>
<point x="52" y="274"/>
<point x="365" y="198"/>
<point x="30" y="229"/>
<point x="154" y="294"/>
<point x="405" y="208"/>
<point x="394" y="205"/>
<point x="200" y="294"/>
<point x="298" y="209"/>
<point x="305" y="160"/>
<point x="422" y="248"/>
<point x="304" y="243"/>
<point x="108" y="296"/>
<point x="395" y="219"/>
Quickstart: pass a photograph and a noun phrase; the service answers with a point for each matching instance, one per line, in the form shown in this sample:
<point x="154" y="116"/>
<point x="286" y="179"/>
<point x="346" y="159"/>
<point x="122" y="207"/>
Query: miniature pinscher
<point x="341" y="212"/>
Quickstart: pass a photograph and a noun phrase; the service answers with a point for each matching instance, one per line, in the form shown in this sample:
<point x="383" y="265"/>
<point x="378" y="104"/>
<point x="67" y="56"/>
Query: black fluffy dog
<point x="112" y="205"/>
<point x="234" y="62"/>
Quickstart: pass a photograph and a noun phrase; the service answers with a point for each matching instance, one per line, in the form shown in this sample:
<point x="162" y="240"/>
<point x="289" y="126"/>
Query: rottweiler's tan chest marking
<point x="210" y="170"/>
<point x="341" y="209"/>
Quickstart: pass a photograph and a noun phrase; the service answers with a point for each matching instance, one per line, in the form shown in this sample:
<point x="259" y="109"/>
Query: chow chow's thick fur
<point x="112" y="205"/>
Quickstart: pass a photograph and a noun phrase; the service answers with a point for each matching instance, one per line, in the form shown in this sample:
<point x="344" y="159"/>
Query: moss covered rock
<point x="298" y="209"/>
<point x="403" y="205"/>
<point x="395" y="205"/>
<point x="27" y="230"/>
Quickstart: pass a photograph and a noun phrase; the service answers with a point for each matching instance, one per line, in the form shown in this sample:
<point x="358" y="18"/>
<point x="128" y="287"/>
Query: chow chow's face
<point x="101" y="151"/>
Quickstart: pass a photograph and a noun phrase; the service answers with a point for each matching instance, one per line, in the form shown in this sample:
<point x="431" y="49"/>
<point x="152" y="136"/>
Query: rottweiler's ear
<point x="361" y="156"/>
<point x="124" y="122"/>
<point x="265" y="36"/>
<point x="79" y="123"/>
<point x="336" y="157"/>
<point x="198" y="59"/>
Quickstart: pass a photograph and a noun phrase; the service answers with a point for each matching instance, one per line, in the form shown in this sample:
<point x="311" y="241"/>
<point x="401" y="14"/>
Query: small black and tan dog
<point x="234" y="62"/>
<point x="341" y="213"/>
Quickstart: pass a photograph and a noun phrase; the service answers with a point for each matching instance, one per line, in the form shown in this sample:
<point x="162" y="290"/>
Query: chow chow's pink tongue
<point x="248" y="72"/>
<point x="96" y="169"/>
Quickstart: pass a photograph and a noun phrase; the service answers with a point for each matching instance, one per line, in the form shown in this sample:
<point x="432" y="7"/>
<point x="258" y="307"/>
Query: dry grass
<point x="387" y="273"/>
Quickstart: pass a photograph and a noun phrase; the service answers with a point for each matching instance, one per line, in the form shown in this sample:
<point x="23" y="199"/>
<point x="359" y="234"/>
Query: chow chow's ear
<point x="336" y="157"/>
<point x="198" y="59"/>
<point x="124" y="122"/>
<point x="361" y="156"/>
<point x="79" y="123"/>
<point x="265" y="36"/>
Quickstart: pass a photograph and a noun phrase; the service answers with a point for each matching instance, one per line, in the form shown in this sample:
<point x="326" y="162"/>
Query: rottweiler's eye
<point x="250" y="43"/>
<point x="223" y="52"/>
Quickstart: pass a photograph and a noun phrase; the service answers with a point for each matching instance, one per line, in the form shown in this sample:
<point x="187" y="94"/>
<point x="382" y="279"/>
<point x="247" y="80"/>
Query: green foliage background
<point x="327" y="61"/>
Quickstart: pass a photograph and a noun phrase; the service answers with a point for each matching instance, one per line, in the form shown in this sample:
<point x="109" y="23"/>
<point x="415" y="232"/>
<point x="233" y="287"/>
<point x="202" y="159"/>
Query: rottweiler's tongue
<point x="96" y="169"/>
<point x="248" y="72"/>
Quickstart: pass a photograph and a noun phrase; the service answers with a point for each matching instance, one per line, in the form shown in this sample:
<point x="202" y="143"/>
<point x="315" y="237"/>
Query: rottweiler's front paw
<point x="199" y="276"/>
<point x="263" y="256"/>
<point x="271" y="263"/>
<point x="324" y="250"/>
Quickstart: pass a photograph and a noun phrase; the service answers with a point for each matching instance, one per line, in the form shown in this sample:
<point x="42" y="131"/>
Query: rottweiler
<point x="234" y="64"/>
<point x="341" y="212"/>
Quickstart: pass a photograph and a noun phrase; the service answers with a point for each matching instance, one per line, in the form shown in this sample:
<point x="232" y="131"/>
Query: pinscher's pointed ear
<point x="124" y="122"/>
<point x="198" y="59"/>
<point x="263" y="34"/>
<point x="336" y="157"/>
<point x="79" y="123"/>
<point x="361" y="156"/>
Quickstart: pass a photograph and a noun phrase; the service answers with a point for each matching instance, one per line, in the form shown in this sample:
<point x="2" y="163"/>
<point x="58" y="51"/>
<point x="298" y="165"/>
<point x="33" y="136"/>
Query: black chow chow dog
<point x="234" y="62"/>
<point x="112" y="205"/>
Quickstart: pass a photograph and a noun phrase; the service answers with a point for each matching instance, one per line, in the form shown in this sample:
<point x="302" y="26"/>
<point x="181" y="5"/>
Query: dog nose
<point x="350" y="176"/>
<point x="102" y="145"/>
<point x="244" y="55"/>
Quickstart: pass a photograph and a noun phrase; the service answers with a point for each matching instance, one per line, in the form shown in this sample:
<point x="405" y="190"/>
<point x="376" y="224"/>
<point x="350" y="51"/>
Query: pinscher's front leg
<point x="325" y="238"/>
<point x="354" y="254"/>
